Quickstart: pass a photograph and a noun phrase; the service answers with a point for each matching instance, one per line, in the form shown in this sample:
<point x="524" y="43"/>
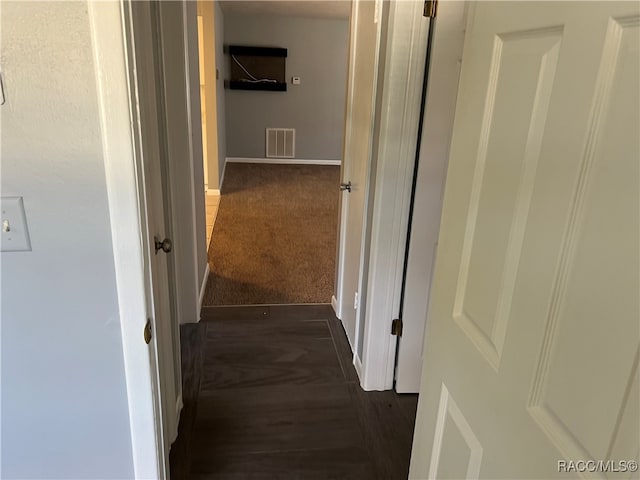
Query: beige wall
<point x="207" y="43"/>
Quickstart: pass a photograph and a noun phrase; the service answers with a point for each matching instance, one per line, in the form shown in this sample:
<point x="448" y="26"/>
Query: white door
<point x="153" y="155"/>
<point x="357" y="154"/>
<point x="532" y="341"/>
<point x="442" y="89"/>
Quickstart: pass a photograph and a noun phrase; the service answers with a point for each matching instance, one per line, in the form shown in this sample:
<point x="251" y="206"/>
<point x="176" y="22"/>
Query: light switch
<point x="14" y="233"/>
<point x="295" y="80"/>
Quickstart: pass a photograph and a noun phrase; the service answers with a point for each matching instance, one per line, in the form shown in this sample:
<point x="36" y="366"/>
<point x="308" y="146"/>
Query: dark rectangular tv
<point x="257" y="68"/>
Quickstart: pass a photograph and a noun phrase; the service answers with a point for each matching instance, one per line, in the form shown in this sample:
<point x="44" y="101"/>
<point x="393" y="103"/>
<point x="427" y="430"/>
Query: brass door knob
<point x="148" y="333"/>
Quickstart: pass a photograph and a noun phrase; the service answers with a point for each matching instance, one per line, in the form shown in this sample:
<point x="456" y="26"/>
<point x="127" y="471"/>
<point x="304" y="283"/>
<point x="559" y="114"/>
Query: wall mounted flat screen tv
<point x="257" y="68"/>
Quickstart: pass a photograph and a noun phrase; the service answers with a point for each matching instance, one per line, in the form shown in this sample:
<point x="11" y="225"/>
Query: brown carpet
<point x="274" y="239"/>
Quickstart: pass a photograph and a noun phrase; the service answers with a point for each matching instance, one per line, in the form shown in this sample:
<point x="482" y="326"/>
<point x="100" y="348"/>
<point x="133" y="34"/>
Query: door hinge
<point x="430" y="8"/>
<point x="396" y="327"/>
<point x="148" y="332"/>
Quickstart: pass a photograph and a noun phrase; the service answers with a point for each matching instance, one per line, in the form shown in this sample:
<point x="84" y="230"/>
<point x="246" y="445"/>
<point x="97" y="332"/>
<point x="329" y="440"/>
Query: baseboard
<point x="179" y="406"/>
<point x="334" y="305"/>
<point x="203" y="288"/>
<point x="218" y="307"/>
<point x="283" y="161"/>
<point x="214" y="192"/>
<point x="357" y="363"/>
<point x="224" y="169"/>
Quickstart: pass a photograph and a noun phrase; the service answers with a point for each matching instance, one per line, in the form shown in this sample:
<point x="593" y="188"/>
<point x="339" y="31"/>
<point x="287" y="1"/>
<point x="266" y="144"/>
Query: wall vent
<point x="281" y="142"/>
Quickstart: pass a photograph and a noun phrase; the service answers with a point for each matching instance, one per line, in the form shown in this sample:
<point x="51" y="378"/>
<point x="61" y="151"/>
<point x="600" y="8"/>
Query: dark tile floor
<point x="271" y="393"/>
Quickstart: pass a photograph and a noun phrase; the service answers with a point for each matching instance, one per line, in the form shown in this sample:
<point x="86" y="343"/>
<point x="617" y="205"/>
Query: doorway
<point x="272" y="156"/>
<point x="210" y="61"/>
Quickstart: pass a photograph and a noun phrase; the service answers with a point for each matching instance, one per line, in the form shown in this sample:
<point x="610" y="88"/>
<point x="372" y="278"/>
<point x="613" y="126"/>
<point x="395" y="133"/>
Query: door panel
<point x="522" y="71"/>
<point x="457" y="450"/>
<point x="153" y="153"/>
<point x="357" y="154"/>
<point x="533" y="331"/>
<point x="601" y="247"/>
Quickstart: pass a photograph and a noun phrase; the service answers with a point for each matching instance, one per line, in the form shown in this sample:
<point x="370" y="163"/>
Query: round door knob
<point x="165" y="245"/>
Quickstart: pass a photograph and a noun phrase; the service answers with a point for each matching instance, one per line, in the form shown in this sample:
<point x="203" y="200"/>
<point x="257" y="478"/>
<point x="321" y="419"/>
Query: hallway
<point x="270" y="392"/>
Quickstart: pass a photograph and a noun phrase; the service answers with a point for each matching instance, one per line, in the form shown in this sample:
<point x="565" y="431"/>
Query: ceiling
<point x="300" y="8"/>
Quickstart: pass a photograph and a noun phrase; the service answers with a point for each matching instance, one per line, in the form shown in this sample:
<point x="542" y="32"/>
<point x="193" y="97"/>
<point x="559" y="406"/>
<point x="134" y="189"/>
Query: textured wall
<point x="317" y="52"/>
<point x="64" y="399"/>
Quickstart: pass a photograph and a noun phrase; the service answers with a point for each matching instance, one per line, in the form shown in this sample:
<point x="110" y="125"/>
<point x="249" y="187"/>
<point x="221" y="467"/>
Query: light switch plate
<point x="295" y="80"/>
<point x="14" y="233"/>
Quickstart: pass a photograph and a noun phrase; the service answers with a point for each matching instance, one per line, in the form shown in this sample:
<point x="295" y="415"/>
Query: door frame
<point x="207" y="12"/>
<point x="338" y="300"/>
<point x="114" y="53"/>
<point x="127" y="214"/>
<point x="402" y="54"/>
<point x="401" y="92"/>
<point x="394" y="165"/>
<point x="184" y="180"/>
<point x="441" y="88"/>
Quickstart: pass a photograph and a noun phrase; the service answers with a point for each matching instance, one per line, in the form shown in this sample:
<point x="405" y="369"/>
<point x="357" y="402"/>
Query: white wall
<point x="222" y="67"/>
<point x="317" y="52"/>
<point x="64" y="399"/>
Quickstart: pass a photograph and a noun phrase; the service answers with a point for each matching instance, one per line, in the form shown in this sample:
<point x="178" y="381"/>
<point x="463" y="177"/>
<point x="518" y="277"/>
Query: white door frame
<point x="336" y="300"/>
<point x="184" y="189"/>
<point x="130" y="243"/>
<point x="345" y="292"/>
<point x="445" y="57"/>
<point x="406" y="47"/>
<point x="206" y="12"/>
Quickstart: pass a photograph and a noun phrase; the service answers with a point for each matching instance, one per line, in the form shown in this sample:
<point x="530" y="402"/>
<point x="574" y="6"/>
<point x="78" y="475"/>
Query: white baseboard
<point x="179" y="406"/>
<point x="203" y="287"/>
<point x="214" y="192"/>
<point x="334" y="305"/>
<point x="357" y="363"/>
<point x="224" y="169"/>
<point x="283" y="161"/>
